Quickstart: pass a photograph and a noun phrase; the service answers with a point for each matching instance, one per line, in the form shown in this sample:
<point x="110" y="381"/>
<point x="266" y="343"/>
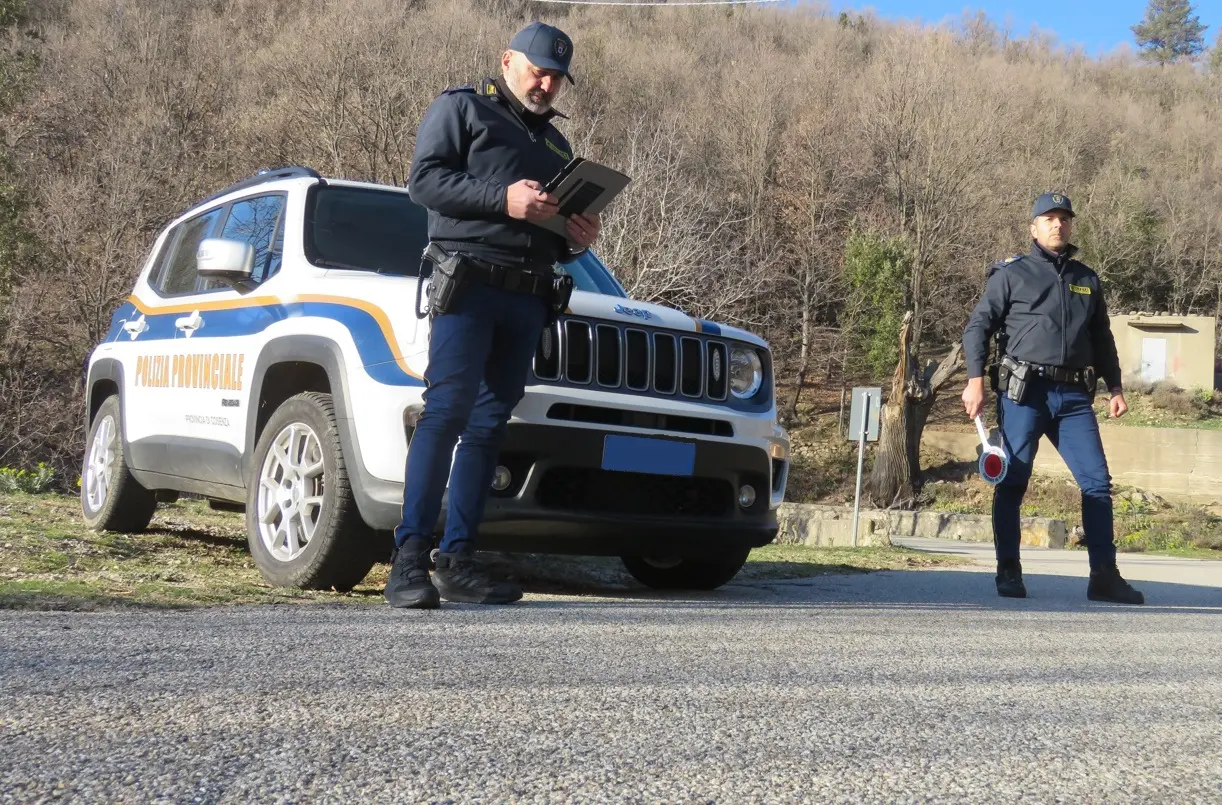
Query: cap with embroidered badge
<point x="1051" y="201"/>
<point x="545" y="46"/>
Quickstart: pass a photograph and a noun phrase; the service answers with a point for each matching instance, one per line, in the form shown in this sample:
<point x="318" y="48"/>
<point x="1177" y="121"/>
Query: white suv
<point x="270" y="357"/>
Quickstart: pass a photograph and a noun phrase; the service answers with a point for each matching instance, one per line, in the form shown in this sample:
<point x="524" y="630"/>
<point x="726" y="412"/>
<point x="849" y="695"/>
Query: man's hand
<point x="583" y="230"/>
<point x="973" y="397"/>
<point x="526" y="201"/>
<point x="1117" y="407"/>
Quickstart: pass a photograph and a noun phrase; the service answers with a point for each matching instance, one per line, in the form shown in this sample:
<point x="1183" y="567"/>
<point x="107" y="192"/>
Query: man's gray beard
<point x="533" y="106"/>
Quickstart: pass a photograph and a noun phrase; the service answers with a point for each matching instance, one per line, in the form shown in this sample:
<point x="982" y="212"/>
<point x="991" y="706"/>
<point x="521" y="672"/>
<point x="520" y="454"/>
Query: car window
<point x="368" y="230"/>
<point x="178" y="274"/>
<point x="256" y="221"/>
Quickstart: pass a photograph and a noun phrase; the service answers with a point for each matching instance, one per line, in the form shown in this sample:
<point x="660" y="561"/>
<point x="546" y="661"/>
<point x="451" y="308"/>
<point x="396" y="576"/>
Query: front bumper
<point x="560" y="500"/>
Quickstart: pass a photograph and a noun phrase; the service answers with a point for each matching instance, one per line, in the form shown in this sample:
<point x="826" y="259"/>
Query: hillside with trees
<point x="815" y="178"/>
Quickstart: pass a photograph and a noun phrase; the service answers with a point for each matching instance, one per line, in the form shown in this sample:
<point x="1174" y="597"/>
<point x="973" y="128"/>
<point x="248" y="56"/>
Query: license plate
<point x="653" y="456"/>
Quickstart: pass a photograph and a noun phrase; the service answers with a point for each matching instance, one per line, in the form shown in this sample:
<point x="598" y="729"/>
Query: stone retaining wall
<point x="832" y="526"/>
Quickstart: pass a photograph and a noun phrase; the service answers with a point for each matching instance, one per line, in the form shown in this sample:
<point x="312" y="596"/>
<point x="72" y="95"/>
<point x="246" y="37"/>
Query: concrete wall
<point x="1177" y="463"/>
<point x="1179" y="349"/>
<point x="832" y="526"/>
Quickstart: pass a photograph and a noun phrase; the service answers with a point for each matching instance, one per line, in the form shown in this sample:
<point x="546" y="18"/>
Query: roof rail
<point x="265" y="175"/>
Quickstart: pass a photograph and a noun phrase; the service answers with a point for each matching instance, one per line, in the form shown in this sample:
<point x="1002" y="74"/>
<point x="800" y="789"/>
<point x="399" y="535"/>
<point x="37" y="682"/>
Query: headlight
<point x="746" y="372"/>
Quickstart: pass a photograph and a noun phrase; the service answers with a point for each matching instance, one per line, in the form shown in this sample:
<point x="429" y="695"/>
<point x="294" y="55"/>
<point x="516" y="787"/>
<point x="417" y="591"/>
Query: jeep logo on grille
<point x="716" y="366"/>
<point x="633" y="311"/>
<point x="547" y="344"/>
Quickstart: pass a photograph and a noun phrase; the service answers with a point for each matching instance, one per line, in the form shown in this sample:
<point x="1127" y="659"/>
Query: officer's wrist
<point x="1116" y="392"/>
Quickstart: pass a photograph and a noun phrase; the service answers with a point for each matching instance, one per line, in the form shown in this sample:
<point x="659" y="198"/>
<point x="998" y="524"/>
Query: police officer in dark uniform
<point x="483" y="154"/>
<point x="1054" y="342"/>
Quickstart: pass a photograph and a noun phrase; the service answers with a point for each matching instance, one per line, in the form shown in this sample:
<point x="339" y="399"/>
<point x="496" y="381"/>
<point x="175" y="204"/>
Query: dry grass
<point x="194" y="556"/>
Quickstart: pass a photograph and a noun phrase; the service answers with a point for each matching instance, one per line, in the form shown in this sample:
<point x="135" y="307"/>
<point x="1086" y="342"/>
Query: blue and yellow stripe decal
<point x="380" y="352"/>
<point x="707" y="327"/>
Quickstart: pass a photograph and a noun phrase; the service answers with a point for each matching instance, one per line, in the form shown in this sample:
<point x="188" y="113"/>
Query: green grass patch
<point x="802" y="561"/>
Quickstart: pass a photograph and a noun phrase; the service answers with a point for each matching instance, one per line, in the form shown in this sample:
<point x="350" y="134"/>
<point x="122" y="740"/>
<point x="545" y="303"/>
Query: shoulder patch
<point x="994" y="267"/>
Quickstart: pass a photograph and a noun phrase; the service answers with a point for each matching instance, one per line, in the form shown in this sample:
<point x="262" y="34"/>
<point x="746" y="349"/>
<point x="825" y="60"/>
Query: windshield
<point x="591" y="274"/>
<point x="384" y="231"/>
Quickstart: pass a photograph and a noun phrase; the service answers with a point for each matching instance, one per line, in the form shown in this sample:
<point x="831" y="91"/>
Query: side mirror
<point x="230" y="261"/>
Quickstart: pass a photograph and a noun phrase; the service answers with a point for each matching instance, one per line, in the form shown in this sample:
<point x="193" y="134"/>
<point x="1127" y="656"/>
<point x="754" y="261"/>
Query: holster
<point x="1013" y="378"/>
<point x="1090" y="379"/>
<point x="446" y="281"/>
<point x="562" y="292"/>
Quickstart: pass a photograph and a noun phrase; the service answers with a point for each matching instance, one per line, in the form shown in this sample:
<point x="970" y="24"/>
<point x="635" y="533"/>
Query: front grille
<point x="632" y="359"/>
<point x="599" y="415"/>
<point x="594" y="490"/>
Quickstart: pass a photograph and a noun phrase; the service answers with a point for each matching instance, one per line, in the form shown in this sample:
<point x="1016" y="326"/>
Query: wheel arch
<point x="105" y="378"/>
<point x="294" y="364"/>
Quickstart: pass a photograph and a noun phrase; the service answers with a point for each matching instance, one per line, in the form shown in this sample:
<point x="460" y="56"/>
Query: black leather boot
<point x="1107" y="585"/>
<point x="1010" y="579"/>
<point x="409" y="586"/>
<point x="460" y="578"/>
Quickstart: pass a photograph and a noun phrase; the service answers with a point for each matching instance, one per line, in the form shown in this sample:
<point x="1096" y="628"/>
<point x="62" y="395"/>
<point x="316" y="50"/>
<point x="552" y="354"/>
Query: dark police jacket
<point x="473" y="143"/>
<point x="1049" y="310"/>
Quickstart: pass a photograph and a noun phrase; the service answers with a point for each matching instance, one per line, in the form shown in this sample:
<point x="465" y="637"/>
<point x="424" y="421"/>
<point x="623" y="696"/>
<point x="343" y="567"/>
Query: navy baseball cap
<point x="1049" y="202"/>
<point x="545" y="46"/>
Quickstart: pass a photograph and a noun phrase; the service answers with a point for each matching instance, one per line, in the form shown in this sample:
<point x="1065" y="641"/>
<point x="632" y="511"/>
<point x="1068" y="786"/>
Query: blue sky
<point x="1097" y="25"/>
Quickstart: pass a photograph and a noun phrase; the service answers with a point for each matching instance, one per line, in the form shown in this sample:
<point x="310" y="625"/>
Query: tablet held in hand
<point x="582" y="187"/>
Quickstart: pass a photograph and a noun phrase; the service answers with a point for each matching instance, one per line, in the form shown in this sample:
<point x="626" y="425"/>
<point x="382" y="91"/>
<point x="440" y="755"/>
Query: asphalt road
<point x="915" y="686"/>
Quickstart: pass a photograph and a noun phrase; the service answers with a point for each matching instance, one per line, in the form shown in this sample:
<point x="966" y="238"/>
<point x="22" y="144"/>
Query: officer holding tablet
<point x="483" y="155"/>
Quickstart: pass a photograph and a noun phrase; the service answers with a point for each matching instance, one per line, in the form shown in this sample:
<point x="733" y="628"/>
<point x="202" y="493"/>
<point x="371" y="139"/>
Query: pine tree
<point x="1170" y="31"/>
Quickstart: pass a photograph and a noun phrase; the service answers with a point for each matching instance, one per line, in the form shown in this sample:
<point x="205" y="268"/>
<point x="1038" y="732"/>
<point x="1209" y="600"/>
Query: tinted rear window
<point x="369" y="230"/>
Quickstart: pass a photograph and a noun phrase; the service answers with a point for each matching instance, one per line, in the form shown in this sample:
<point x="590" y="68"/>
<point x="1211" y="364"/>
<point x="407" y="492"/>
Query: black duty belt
<point x="1059" y="374"/>
<point x="510" y="278"/>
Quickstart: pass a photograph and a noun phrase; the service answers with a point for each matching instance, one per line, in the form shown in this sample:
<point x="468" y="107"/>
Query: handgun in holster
<point x="562" y="292"/>
<point x="446" y="281"/>
<point x="1013" y="378"/>
<point x="1090" y="379"/>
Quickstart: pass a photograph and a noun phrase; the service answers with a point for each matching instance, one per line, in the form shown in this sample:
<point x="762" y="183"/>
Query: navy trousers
<point x="1063" y="412"/>
<point x="479" y="356"/>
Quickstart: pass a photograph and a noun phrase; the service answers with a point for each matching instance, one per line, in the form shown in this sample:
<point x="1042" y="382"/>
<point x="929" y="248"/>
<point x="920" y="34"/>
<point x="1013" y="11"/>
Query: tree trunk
<point x="891" y="478"/>
<point x="921" y="398"/>
<point x="804" y="354"/>
<point x="897" y="465"/>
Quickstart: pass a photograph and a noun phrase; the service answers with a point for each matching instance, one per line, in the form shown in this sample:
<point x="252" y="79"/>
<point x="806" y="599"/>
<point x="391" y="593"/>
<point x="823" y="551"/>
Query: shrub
<point x="1175" y="400"/>
<point x="1205" y="398"/>
<point x="31" y="482"/>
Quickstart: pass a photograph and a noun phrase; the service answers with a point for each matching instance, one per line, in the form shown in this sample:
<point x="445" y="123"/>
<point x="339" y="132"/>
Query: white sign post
<point x="863" y="426"/>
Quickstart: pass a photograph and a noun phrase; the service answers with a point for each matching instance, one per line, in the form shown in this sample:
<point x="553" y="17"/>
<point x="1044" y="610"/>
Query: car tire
<point x="687" y="573"/>
<point x="111" y="499"/>
<point x="299" y="487"/>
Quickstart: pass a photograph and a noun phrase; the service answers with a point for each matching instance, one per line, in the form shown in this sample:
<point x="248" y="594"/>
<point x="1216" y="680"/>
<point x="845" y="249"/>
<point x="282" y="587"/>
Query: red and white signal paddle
<point x="993" y="461"/>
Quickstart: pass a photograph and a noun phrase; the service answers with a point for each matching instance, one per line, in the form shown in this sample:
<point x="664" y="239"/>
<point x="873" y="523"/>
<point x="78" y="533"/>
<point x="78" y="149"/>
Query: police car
<point x="270" y="358"/>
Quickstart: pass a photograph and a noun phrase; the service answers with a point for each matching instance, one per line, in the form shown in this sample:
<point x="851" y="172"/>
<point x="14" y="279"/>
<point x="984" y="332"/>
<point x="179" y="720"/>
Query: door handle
<point x="135" y="327"/>
<point x="189" y="324"/>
